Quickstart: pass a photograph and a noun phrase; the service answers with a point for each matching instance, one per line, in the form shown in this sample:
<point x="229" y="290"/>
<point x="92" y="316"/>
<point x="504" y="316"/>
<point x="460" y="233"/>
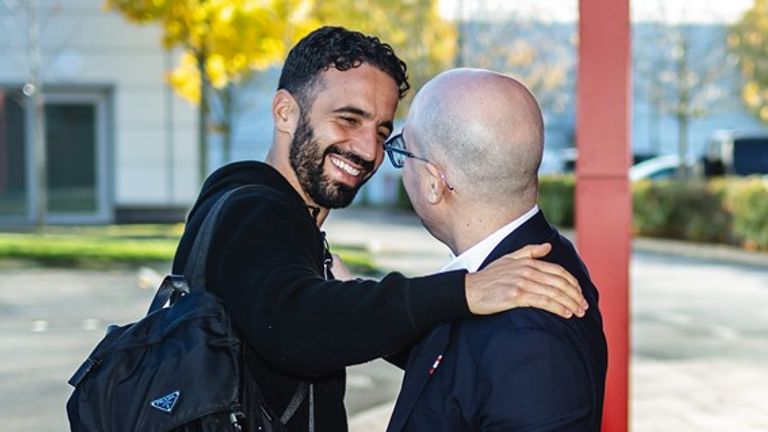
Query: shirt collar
<point x="473" y="258"/>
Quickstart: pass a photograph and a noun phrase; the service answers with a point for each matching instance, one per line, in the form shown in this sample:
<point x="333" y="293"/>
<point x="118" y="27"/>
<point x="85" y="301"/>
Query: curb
<point x="707" y="251"/>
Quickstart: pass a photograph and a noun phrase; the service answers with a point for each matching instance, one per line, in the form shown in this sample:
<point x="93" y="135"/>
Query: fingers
<point x="564" y="277"/>
<point x="546" y="267"/>
<point x="526" y="282"/>
<point x="557" y="300"/>
<point x="555" y="281"/>
<point x="540" y="251"/>
<point x="532" y="251"/>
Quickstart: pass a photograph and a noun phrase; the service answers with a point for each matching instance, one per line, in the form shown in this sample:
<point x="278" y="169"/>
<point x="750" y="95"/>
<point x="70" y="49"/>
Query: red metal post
<point x="603" y="199"/>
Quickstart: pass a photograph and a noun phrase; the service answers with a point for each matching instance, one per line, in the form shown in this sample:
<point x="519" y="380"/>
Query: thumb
<point x="532" y="251"/>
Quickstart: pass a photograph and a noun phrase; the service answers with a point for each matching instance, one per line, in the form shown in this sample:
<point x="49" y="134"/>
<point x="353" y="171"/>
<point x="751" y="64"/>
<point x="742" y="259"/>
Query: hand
<point x="340" y="271"/>
<point x="519" y="279"/>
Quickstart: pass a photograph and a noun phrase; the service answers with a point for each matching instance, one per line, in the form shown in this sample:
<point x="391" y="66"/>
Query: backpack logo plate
<point x="167" y="402"/>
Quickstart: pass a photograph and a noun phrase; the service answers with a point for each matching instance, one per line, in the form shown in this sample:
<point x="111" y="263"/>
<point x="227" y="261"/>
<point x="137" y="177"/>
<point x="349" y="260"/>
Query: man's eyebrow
<point x="354" y="110"/>
<point x="364" y="114"/>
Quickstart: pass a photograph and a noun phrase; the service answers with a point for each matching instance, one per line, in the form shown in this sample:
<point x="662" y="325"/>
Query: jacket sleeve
<point x="532" y="379"/>
<point x="265" y="268"/>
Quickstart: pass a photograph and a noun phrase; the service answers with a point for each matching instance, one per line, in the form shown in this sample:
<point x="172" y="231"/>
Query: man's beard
<point x="307" y="162"/>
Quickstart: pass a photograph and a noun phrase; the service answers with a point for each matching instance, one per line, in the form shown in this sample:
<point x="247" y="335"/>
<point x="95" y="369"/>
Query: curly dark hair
<point x="342" y="49"/>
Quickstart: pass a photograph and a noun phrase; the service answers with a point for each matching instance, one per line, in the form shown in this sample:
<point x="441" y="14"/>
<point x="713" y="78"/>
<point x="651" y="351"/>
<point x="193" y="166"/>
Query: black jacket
<point x="266" y="263"/>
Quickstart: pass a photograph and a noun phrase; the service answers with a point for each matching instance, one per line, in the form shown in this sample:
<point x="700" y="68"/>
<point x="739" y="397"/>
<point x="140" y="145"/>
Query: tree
<point x="541" y="54"/>
<point x="681" y="68"/>
<point x="223" y="41"/>
<point x="748" y="40"/>
<point x="34" y="91"/>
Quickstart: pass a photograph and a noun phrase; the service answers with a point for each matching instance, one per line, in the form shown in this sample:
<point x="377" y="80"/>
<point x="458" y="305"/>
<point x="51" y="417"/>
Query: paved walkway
<point x="699" y="326"/>
<point x="699" y="335"/>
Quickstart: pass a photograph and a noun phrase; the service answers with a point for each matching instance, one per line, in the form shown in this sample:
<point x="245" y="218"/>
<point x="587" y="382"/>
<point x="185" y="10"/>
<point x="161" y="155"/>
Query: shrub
<point x="556" y="199"/>
<point x="688" y="210"/>
<point x="748" y="202"/>
<point x="730" y="210"/>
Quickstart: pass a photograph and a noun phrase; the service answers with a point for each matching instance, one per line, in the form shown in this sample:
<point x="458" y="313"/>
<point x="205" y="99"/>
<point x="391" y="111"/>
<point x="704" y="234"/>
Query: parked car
<point x="737" y="154"/>
<point x="661" y="167"/>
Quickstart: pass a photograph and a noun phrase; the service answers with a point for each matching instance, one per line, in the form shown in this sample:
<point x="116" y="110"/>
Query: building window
<point x="13" y="156"/>
<point x="71" y="146"/>
<point x="76" y="161"/>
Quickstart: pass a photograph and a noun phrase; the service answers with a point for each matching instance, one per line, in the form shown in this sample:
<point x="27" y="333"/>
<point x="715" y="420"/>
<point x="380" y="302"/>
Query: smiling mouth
<point x="346" y="167"/>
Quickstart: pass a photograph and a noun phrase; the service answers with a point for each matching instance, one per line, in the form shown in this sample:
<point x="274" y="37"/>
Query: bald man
<point x="470" y="152"/>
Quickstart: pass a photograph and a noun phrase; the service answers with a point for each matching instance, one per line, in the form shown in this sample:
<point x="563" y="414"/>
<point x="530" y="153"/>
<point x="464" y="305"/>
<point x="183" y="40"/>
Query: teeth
<point x="347" y="168"/>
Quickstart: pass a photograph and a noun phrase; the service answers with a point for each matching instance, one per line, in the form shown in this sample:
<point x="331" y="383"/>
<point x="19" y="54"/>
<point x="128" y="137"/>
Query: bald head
<point x="486" y="129"/>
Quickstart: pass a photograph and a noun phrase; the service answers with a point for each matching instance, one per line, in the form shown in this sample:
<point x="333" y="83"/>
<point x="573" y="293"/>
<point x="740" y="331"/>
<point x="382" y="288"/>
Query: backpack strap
<point x="298" y="397"/>
<point x="311" y="407"/>
<point x="194" y="268"/>
<point x="176" y="285"/>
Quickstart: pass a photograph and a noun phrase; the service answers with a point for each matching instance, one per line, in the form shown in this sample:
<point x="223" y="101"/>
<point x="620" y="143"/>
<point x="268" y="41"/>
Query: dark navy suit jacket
<point x="521" y="370"/>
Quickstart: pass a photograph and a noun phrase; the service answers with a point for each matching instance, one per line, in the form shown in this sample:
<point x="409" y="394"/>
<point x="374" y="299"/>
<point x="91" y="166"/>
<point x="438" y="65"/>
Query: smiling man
<point x="269" y="261"/>
<point x="336" y="146"/>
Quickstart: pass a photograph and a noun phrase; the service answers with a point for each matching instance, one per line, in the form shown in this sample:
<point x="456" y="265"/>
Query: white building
<point x="120" y="145"/>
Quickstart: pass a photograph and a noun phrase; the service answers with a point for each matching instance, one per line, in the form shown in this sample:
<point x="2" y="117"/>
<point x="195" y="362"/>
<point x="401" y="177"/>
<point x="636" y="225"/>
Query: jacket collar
<point x="534" y="231"/>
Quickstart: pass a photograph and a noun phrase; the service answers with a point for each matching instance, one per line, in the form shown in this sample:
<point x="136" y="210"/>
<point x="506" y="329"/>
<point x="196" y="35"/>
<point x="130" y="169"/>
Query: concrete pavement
<point x="700" y="331"/>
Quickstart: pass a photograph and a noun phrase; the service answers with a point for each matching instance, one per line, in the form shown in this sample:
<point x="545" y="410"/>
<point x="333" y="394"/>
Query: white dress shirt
<point x="473" y="258"/>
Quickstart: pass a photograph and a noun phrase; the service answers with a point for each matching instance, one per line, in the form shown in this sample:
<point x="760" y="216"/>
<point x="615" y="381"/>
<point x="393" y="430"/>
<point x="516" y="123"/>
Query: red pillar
<point x="603" y="199"/>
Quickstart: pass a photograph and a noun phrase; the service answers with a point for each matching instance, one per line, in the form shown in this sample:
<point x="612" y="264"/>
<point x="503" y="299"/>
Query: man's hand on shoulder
<point x="520" y="279"/>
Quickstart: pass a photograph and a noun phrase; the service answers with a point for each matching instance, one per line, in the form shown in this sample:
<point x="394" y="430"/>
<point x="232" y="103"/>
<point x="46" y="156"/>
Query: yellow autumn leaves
<point x="232" y="38"/>
<point x="748" y="39"/>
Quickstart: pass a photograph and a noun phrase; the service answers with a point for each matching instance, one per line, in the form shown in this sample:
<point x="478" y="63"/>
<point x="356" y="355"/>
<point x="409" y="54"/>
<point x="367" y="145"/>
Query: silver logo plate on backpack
<point x="167" y="402"/>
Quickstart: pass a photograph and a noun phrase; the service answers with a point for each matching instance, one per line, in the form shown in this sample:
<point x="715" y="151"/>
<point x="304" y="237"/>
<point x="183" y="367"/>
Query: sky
<point x="673" y="11"/>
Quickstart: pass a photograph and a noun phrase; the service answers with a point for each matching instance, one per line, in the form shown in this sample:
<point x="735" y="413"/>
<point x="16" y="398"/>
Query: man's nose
<point x="366" y="144"/>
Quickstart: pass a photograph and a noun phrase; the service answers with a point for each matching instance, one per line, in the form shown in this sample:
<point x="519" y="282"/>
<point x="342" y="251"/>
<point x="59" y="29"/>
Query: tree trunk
<point x="34" y="90"/>
<point x="683" y="106"/>
<point x="682" y="144"/>
<point x="202" y="124"/>
<point x="228" y="120"/>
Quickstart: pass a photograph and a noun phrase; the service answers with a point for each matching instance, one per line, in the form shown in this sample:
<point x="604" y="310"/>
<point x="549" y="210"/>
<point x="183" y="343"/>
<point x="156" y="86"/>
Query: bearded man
<point x="332" y="112"/>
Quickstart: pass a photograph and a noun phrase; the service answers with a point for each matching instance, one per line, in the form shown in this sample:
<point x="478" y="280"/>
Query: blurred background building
<point x="116" y="137"/>
<point x="120" y="143"/>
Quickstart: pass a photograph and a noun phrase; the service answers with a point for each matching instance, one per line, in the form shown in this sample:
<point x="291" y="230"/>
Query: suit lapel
<point x="419" y="371"/>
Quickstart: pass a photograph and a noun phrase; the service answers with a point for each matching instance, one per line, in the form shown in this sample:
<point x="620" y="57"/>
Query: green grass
<point x="357" y="259"/>
<point x="109" y="245"/>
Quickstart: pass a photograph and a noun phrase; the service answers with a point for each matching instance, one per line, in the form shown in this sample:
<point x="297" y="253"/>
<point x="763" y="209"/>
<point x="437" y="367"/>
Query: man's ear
<point x="435" y="184"/>
<point x="285" y="112"/>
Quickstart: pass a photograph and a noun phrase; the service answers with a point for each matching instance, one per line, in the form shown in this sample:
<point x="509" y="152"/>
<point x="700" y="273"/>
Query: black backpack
<point x="180" y="368"/>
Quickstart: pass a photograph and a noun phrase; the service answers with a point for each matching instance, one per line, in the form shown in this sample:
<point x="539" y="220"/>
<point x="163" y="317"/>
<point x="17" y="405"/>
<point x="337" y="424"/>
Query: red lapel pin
<point x="435" y="364"/>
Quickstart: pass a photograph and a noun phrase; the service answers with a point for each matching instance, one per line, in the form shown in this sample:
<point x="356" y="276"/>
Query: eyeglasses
<point x="395" y="148"/>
